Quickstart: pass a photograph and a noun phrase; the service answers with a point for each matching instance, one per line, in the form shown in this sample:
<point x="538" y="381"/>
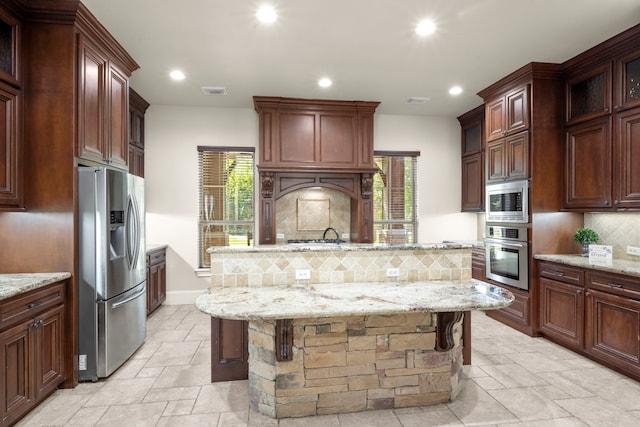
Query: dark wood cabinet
<point x="478" y="263"/>
<point x="32" y="334"/>
<point x="588" y="94"/>
<point x="156" y="278"/>
<point x="11" y="156"/>
<point x="473" y="182"/>
<point x="11" y="144"/>
<point x="508" y="158"/>
<point x="601" y="154"/>
<point x="562" y="304"/>
<point x="507" y="114"/>
<point x="137" y="108"/>
<point x="229" y="349"/>
<point x="627" y="172"/>
<point x="588" y="163"/>
<point x="593" y="312"/>
<point x="315" y="134"/>
<point x="103" y="107"/>
<point x="613" y="320"/>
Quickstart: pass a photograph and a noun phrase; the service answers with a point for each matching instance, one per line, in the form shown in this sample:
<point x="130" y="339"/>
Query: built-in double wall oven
<point x="507" y="255"/>
<point x="506" y="239"/>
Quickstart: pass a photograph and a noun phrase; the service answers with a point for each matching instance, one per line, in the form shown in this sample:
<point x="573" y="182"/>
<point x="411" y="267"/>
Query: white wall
<point x="172" y="135"/>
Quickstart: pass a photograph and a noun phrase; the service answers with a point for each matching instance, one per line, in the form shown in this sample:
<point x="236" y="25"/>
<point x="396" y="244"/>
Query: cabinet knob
<point x="606" y="110"/>
<point x="617" y="202"/>
<point x="588" y="294"/>
<point x="579" y="291"/>
<point x="607" y="202"/>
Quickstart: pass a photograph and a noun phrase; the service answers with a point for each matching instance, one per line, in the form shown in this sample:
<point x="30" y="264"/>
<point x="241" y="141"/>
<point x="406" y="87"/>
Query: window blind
<point x="226" y="198"/>
<point x="395" y="197"/>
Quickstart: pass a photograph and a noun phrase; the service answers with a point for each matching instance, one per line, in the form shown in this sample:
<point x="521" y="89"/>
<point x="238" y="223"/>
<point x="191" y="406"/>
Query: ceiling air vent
<point x="210" y="90"/>
<point x="417" y="100"/>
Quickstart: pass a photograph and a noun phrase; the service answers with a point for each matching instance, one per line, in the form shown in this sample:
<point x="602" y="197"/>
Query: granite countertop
<point x="620" y="266"/>
<point x="150" y="247"/>
<point x="14" y="284"/>
<point x="324" y="300"/>
<point x="301" y="247"/>
<point x="474" y="243"/>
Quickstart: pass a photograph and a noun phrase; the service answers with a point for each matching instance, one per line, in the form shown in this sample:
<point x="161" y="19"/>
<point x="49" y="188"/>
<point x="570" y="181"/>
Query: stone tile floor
<point x="514" y="380"/>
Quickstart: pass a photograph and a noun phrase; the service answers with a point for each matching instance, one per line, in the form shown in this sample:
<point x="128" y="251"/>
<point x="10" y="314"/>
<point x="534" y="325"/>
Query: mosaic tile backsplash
<point x="616" y="229"/>
<point x="279" y="268"/>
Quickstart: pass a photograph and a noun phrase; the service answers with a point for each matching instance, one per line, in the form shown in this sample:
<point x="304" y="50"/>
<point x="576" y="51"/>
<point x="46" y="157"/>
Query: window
<point x="225" y="199"/>
<point x="395" y="197"/>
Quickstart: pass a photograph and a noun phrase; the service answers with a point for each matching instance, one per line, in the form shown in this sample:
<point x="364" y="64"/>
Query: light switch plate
<point x="393" y="272"/>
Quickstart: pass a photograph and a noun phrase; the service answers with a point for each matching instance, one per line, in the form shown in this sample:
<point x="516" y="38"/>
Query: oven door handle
<point x="505" y="244"/>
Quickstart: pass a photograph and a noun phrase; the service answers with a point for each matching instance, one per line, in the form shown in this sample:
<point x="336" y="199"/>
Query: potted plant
<point x="585" y="236"/>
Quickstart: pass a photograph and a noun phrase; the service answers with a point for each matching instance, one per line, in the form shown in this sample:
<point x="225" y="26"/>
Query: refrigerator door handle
<point x="131" y="298"/>
<point x="133" y="233"/>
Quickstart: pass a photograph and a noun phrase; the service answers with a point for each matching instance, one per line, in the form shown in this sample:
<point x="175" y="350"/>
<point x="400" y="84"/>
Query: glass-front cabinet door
<point x="589" y="95"/>
<point x="9" y="48"/>
<point x="628" y="93"/>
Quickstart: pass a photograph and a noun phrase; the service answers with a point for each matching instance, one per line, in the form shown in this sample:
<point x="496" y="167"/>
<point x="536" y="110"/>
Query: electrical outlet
<point x="633" y="250"/>
<point x="393" y="272"/>
<point x="279" y="235"/>
<point x="303" y="274"/>
<point x="346" y="235"/>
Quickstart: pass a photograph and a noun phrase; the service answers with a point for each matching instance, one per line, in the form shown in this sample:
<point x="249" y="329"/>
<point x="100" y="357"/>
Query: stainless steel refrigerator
<point x="112" y="270"/>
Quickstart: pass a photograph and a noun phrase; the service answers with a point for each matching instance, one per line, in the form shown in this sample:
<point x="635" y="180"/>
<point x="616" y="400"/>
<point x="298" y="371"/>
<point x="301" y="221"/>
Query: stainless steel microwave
<point x="507" y="202"/>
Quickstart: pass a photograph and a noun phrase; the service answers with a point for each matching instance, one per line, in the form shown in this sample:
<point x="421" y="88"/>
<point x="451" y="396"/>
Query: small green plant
<point x="586" y="235"/>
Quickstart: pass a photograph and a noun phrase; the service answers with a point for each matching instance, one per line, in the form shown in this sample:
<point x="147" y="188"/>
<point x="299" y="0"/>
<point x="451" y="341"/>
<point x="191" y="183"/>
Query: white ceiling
<point x="367" y="47"/>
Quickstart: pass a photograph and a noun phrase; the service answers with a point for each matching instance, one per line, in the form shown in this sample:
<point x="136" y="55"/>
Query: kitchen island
<point x="348" y="345"/>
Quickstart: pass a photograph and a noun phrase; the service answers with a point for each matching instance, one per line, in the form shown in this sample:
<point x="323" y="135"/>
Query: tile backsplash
<point x="296" y="213"/>
<point x="616" y="229"/>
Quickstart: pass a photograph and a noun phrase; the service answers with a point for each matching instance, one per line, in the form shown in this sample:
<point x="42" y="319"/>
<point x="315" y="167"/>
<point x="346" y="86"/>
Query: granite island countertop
<point x="325" y="300"/>
<point x="15" y="284"/>
<point x="619" y="266"/>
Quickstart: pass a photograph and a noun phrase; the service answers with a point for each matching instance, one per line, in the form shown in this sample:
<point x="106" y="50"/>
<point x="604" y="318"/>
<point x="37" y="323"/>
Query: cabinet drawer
<point x="614" y="284"/>
<point x="156" y="257"/>
<point x="30" y="304"/>
<point x="561" y="273"/>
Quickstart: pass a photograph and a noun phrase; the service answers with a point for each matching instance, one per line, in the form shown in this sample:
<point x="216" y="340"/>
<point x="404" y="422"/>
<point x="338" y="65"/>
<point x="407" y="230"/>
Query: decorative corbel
<point x="366" y="185"/>
<point x="266" y="184"/>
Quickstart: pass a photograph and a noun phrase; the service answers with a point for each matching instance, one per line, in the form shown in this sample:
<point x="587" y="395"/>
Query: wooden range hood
<point x="316" y="143"/>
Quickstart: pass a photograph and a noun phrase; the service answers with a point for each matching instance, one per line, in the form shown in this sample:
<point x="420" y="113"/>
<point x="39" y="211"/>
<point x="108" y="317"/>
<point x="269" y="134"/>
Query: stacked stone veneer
<point x="273" y="267"/>
<point x="350" y="364"/>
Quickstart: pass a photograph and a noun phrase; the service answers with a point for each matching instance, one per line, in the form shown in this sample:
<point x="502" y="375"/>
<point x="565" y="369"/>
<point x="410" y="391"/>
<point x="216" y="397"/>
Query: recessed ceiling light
<point x="324" y="82"/>
<point x="456" y="90"/>
<point x="267" y="14"/>
<point x="177" y="75"/>
<point x="426" y="27"/>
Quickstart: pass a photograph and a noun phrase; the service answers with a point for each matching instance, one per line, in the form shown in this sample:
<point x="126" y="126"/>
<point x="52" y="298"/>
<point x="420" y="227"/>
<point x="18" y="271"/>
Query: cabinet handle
<point x="615" y="285"/>
<point x="37" y="323"/>
<point x="558" y="273"/>
<point x="34" y="304"/>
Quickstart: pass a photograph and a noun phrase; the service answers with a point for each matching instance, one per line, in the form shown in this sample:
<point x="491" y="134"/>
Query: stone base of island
<point x="326" y="348"/>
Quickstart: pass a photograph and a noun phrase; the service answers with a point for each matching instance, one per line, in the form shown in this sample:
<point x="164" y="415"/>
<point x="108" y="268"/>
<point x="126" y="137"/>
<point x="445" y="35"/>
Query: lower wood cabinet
<point x="32" y="359"/>
<point x="156" y="278"/>
<point x="594" y="313"/>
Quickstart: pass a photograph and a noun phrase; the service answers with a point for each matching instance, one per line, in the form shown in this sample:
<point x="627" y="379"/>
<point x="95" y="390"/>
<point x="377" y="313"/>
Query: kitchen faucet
<point x="324" y="235"/>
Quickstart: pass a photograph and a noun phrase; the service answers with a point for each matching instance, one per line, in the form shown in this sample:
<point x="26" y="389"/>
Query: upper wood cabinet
<point x="588" y="94"/>
<point x="103" y="107"/>
<point x="304" y="134"/>
<point x="472" y="139"/>
<point x="602" y="143"/>
<point x="11" y="151"/>
<point x="588" y="162"/>
<point x="508" y="158"/>
<point x="137" y="108"/>
<point x="508" y="114"/>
